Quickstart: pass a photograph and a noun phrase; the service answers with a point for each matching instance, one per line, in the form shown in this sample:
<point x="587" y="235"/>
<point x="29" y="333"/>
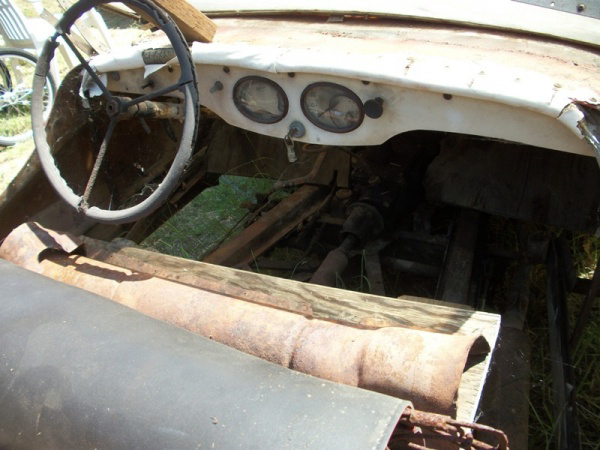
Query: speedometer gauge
<point x="260" y="99"/>
<point x="332" y="107"/>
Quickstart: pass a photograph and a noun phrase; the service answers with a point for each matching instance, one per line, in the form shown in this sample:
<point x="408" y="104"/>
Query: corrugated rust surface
<point x="421" y="366"/>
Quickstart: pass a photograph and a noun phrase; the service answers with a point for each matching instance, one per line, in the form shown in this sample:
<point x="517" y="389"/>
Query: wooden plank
<point x="78" y="40"/>
<point x="320" y="302"/>
<point x="526" y="183"/>
<point x="93" y="35"/>
<point x="194" y="25"/>
<point x="326" y="302"/>
<point x="69" y="59"/>
<point x="120" y="9"/>
<point x="455" y="281"/>
<point x="373" y="269"/>
<point x="433" y="301"/>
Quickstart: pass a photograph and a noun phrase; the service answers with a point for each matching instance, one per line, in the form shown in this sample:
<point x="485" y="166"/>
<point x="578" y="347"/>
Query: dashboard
<point x="328" y="108"/>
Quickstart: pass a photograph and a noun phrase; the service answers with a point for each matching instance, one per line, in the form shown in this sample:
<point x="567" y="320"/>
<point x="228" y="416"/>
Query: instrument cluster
<point x="329" y="106"/>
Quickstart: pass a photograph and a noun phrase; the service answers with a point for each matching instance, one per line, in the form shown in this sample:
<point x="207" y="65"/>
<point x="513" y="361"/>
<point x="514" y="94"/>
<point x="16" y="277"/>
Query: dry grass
<point x="11" y="161"/>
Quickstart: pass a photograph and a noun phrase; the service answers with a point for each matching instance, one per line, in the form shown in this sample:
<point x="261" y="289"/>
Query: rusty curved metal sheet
<point x="420" y="366"/>
<point x="79" y="371"/>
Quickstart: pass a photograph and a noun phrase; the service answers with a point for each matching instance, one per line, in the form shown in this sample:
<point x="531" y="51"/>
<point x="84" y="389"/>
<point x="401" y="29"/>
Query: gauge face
<point x="260" y="99"/>
<point x="332" y="107"/>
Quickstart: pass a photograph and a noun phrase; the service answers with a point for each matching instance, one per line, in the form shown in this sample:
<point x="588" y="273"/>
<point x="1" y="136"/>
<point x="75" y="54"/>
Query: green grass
<point x="13" y="123"/>
<point x="586" y="362"/>
<point x="28" y="9"/>
<point x="208" y="219"/>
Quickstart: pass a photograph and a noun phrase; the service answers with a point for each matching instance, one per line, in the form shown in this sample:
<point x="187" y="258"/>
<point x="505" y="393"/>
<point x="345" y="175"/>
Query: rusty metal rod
<point x="334" y="263"/>
<point x="304" y="179"/>
<point x="445" y="427"/>
<point x="154" y="110"/>
<point x="422" y="366"/>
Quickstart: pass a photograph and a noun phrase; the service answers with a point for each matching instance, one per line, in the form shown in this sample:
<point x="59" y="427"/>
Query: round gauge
<point x="332" y="107"/>
<point x="260" y="99"/>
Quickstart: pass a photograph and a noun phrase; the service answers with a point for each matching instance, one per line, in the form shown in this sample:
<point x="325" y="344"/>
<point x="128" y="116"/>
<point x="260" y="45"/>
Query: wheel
<point x="16" y="86"/>
<point x="116" y="109"/>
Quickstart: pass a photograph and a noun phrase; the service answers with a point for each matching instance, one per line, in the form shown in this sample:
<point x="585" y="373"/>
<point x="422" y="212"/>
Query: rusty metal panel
<point x="421" y="366"/>
<point x="78" y="371"/>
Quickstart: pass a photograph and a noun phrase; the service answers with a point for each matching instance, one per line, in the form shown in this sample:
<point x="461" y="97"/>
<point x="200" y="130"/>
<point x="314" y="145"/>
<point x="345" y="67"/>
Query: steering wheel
<point x="116" y="109"/>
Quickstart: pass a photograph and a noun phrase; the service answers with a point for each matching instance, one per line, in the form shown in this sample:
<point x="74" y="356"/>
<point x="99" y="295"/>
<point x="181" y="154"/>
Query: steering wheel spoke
<point x="99" y="159"/>
<point x="92" y="73"/>
<point x="156" y="94"/>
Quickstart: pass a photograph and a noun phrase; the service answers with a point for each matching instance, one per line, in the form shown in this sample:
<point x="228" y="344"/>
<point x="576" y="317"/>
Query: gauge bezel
<point x="346" y="91"/>
<point x="248" y="114"/>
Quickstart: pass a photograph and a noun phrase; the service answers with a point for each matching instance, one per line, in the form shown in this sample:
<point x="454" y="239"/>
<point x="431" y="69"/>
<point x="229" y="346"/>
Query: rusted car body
<point x="396" y="132"/>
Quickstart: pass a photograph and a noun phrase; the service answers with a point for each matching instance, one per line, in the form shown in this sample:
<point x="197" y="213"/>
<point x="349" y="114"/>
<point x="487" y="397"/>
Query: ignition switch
<point x="296" y="130"/>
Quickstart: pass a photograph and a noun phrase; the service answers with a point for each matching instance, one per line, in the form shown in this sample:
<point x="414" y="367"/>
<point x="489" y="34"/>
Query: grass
<point x="14" y="123"/>
<point x="208" y="219"/>
<point x="12" y="159"/>
<point x="15" y="111"/>
<point x="586" y="357"/>
<point x="28" y="9"/>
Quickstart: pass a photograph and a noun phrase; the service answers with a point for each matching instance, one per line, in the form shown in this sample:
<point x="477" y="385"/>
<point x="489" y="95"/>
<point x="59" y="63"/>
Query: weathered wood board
<point x="518" y="181"/>
<point x="194" y="25"/>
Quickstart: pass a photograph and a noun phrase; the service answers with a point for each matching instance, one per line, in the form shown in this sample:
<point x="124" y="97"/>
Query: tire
<point x="16" y="86"/>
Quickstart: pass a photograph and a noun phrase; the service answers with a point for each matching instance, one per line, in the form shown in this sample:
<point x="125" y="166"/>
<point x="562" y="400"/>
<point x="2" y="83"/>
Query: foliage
<point x="585" y="358"/>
